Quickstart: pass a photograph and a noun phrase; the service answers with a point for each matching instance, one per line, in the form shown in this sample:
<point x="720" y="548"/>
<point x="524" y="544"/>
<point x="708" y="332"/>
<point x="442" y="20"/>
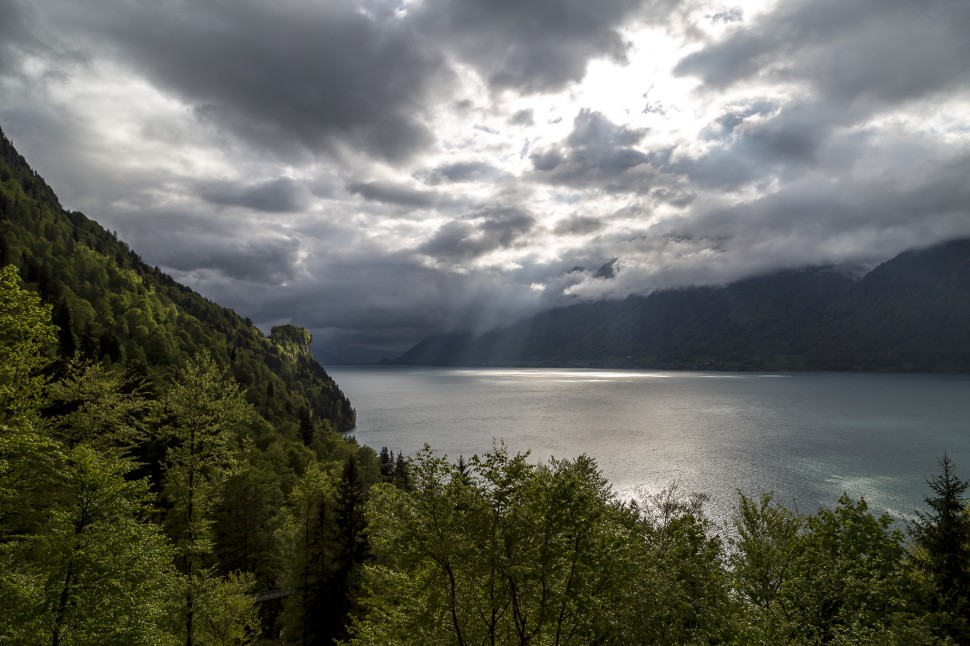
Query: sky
<point x="380" y="171"/>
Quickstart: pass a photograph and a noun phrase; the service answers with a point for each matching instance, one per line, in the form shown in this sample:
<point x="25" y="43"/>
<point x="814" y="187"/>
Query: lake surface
<point x="805" y="436"/>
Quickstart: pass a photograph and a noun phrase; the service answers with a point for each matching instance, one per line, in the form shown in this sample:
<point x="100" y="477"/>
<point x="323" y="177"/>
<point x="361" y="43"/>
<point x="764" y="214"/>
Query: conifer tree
<point x="352" y="548"/>
<point x="386" y="463"/>
<point x="943" y="537"/>
<point x="306" y="426"/>
<point x="307" y="521"/>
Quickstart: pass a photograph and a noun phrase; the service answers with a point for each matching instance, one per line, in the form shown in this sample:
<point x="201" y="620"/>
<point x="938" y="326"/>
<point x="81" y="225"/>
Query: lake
<point x="807" y="437"/>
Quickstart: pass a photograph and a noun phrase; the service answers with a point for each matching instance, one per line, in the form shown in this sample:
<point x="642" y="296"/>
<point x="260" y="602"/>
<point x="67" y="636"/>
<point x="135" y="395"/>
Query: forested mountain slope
<point x="910" y="313"/>
<point x="168" y="474"/>
<point x="111" y="306"/>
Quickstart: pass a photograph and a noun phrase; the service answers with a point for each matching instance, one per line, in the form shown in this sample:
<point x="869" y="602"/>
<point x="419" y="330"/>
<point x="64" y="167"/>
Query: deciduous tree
<point x="201" y="411"/>
<point x="97" y="572"/>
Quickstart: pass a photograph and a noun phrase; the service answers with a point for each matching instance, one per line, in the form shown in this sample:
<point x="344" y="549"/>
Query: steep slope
<point x="111" y="306"/>
<point x="910" y="313"/>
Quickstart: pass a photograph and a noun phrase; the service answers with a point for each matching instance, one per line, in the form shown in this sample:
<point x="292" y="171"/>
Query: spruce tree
<point x="943" y="537"/>
<point x="386" y="462"/>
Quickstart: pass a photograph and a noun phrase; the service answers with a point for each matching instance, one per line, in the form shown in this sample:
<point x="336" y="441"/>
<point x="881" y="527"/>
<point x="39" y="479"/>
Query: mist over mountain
<point x="439" y="165"/>
<point x="911" y="313"/>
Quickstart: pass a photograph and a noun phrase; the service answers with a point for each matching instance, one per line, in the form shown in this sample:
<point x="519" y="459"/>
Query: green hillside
<point x="110" y="306"/>
<point x="161" y="460"/>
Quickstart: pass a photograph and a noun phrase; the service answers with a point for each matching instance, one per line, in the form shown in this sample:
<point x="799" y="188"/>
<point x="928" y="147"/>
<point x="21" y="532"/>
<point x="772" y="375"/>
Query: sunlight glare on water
<point x="807" y="437"/>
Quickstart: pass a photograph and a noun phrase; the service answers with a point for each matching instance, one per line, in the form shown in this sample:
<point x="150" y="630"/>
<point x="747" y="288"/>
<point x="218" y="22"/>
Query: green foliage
<point x="96" y="573"/>
<point x="837" y="576"/>
<point x="26" y="336"/>
<point x="507" y="552"/>
<point x="245" y="520"/>
<point x="99" y="406"/>
<point x="942" y="539"/>
<point x="679" y="590"/>
<point x="200" y="412"/>
<point x="309" y="510"/>
<point x="763" y="560"/>
<point x="225" y="611"/>
<point x="26" y="453"/>
<point x="111" y="307"/>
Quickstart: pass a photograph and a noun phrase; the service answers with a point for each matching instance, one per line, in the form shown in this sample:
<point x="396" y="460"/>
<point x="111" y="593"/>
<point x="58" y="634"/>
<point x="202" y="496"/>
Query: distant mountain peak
<point x="910" y="313"/>
<point x="608" y="269"/>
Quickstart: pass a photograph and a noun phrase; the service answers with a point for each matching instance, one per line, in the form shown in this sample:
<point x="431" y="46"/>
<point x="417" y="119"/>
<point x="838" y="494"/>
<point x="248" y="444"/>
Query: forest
<point x="170" y="475"/>
<point x="130" y="516"/>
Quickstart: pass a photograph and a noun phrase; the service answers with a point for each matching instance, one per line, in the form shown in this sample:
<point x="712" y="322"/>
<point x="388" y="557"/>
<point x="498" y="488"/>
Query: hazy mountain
<point x="910" y="313"/>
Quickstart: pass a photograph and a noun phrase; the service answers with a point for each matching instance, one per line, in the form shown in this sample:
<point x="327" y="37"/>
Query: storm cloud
<point x="380" y="171"/>
<point x="597" y="153"/>
<point x="485" y="232"/>
<point x="272" y="196"/>
<point x="864" y="55"/>
<point x="310" y="76"/>
<point x="531" y="46"/>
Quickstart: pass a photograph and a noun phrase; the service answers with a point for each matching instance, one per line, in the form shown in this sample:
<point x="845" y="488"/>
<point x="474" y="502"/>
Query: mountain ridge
<point x="111" y="306"/>
<point x="910" y="313"/>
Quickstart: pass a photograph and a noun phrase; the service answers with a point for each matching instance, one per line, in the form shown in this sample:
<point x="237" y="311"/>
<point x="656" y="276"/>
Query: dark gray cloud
<point x="262" y="258"/>
<point x="458" y="172"/>
<point x="673" y="196"/>
<point x="760" y="150"/>
<point x="490" y="230"/>
<point x="279" y="195"/>
<point x="853" y="60"/>
<point x="391" y="114"/>
<point x="935" y="198"/>
<point x="725" y="125"/>
<point x="579" y="225"/>
<point x="598" y="153"/>
<point x="522" y="118"/>
<point x="230" y="255"/>
<point x="822" y="219"/>
<point x="594" y="132"/>
<point x="389" y="193"/>
<point x="310" y="75"/>
<point x="14" y="38"/>
<point x="264" y="261"/>
<point x="533" y="46"/>
<point x="734" y="14"/>
<point x="386" y="305"/>
<point x="547" y="160"/>
<point x="23" y="37"/>
<point x="866" y="54"/>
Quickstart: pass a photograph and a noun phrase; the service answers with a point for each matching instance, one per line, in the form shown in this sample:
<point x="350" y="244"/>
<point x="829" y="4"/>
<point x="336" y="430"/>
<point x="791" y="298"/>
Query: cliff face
<point x="293" y="340"/>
